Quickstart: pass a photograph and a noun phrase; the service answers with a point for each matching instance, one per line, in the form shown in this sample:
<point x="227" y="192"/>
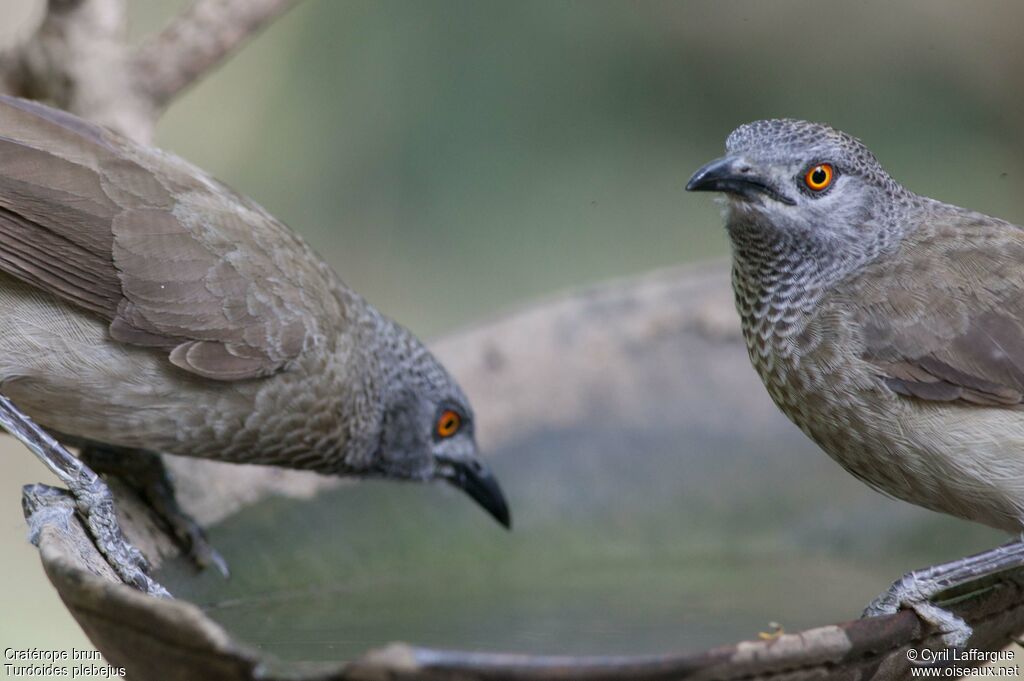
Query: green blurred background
<point x="455" y="158"/>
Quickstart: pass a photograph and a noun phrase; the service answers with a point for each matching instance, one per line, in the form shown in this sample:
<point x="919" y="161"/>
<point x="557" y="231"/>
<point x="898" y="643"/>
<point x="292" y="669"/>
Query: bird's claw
<point x="96" y="507"/>
<point x="145" y="473"/>
<point x="914" y="592"/>
<point x="94" y="504"/>
<point x="194" y="543"/>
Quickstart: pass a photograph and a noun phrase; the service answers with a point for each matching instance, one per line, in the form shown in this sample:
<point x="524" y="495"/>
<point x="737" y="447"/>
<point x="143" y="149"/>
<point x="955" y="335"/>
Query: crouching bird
<point x="888" y="326"/>
<point x="145" y="307"/>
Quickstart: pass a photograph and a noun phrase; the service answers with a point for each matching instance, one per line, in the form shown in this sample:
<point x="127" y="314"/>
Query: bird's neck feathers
<point x="778" y="279"/>
<point x="339" y="393"/>
<point x="776" y="268"/>
<point x="397" y="369"/>
<point x="792" y="265"/>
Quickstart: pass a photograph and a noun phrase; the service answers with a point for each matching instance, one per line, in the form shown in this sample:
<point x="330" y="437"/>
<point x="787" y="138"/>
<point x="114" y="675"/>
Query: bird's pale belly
<point x="58" y="365"/>
<point x="939" y="456"/>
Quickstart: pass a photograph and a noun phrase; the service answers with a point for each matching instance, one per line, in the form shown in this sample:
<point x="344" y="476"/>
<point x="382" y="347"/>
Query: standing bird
<point x="145" y="307"/>
<point x="888" y="326"/>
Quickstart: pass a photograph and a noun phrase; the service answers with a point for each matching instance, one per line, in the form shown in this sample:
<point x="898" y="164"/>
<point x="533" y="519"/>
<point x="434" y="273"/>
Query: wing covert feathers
<point x="168" y="256"/>
<point x="933" y="330"/>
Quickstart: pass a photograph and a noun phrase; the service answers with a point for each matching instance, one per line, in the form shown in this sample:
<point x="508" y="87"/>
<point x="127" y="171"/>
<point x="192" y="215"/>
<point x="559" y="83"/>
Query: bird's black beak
<point x="733" y="175"/>
<point x="473" y="478"/>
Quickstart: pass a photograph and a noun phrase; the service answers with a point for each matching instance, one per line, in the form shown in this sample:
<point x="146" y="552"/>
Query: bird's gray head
<point x="427" y="429"/>
<point x="806" y="184"/>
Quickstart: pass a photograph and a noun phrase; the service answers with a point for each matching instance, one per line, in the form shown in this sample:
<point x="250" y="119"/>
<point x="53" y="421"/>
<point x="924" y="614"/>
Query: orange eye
<point x="819" y="177"/>
<point x="448" y="423"/>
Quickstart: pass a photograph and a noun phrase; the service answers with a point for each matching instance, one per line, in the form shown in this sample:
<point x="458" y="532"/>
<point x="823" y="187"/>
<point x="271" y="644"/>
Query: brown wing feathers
<point x="167" y="256"/>
<point x="958" y="343"/>
<point x="75" y="263"/>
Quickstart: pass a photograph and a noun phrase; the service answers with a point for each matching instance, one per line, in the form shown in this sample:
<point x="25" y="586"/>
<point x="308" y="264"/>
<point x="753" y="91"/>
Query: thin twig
<point x="199" y="39"/>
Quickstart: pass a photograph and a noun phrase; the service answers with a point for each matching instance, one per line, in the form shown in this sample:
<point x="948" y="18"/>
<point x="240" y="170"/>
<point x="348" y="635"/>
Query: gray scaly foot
<point x="916" y="589"/>
<point x="145" y="473"/>
<point x="92" y="498"/>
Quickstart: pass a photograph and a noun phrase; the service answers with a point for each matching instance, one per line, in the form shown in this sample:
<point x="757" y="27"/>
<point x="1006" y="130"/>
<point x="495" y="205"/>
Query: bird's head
<point x="427" y="429"/>
<point x="802" y="180"/>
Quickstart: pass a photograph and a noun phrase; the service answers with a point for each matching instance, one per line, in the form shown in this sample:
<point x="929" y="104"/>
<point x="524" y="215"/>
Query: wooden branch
<point x="78" y="58"/>
<point x="198" y="40"/>
<point x="75" y="60"/>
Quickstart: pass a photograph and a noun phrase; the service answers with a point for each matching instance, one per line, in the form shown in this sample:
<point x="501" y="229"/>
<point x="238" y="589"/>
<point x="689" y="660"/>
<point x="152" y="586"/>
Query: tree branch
<point x="75" y="60"/>
<point x="78" y="58"/>
<point x="198" y="40"/>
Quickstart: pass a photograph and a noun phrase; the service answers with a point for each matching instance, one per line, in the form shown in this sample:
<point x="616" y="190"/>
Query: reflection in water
<point x="625" y="542"/>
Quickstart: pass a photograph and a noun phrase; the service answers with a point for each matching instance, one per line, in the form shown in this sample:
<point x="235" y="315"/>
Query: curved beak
<point x="734" y="175"/>
<point x="476" y="480"/>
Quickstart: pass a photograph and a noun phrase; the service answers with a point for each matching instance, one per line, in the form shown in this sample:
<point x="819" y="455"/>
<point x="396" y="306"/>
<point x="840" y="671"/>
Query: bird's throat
<point x="777" y="279"/>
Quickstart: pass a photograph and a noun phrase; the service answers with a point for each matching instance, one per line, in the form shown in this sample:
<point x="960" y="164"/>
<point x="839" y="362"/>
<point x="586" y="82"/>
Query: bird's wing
<point x="944" y="321"/>
<point x="170" y="257"/>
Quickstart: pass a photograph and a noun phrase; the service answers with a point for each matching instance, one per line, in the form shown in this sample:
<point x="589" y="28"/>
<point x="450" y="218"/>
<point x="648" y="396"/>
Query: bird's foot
<point x="192" y="539"/>
<point x="94" y="504"/>
<point x="145" y="473"/>
<point x="92" y="498"/>
<point x="915" y="590"/>
<point x="915" y="593"/>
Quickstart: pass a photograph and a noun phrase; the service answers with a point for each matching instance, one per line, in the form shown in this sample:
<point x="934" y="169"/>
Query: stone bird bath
<point x="663" y="509"/>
